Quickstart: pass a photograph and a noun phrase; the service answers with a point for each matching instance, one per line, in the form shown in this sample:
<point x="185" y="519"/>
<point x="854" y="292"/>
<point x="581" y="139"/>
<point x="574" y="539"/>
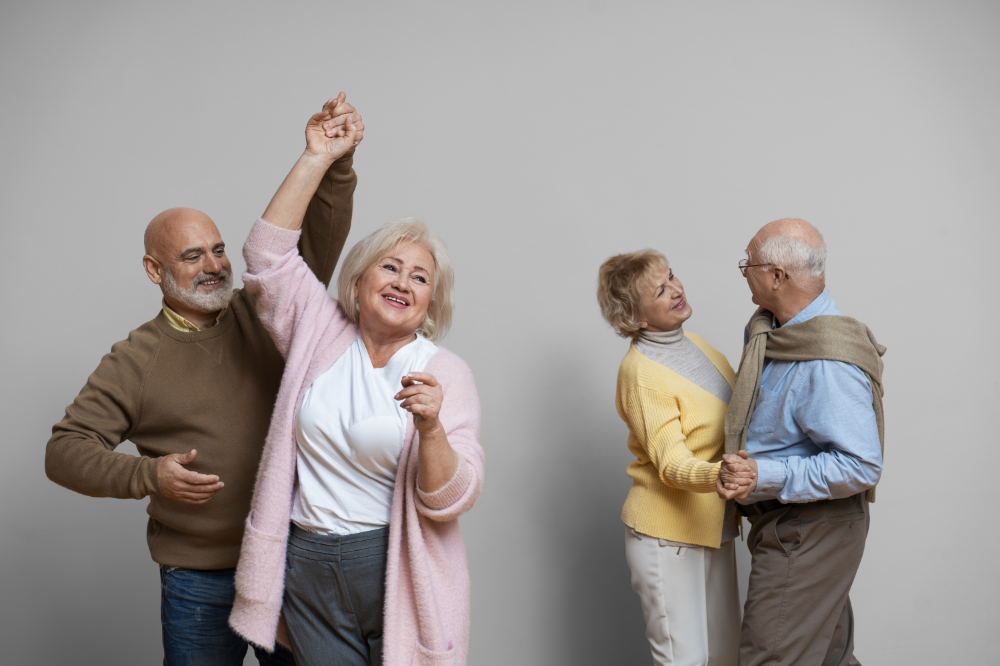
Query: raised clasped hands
<point x="422" y="396"/>
<point x="737" y="476"/>
<point x="335" y="131"/>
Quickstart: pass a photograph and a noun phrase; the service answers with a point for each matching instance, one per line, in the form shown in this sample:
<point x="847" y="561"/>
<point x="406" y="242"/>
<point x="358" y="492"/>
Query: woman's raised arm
<point x="283" y="286"/>
<point x="326" y="142"/>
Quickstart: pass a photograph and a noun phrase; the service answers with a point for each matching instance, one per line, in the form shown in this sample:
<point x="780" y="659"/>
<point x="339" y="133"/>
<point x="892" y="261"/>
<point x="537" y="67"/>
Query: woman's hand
<point x="437" y="461"/>
<point x="422" y="397"/>
<point x="330" y="134"/>
<point x="737" y="476"/>
<point x="335" y="131"/>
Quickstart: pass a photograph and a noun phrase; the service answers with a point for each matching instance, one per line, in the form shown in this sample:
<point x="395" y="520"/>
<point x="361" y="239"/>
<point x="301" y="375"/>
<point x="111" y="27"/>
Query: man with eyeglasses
<point x="805" y="418"/>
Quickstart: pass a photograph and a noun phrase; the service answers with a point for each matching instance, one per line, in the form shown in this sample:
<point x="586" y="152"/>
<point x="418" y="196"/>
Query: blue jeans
<point x="194" y="612"/>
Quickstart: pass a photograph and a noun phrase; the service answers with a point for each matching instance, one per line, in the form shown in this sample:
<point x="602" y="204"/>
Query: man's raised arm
<point x="327" y="221"/>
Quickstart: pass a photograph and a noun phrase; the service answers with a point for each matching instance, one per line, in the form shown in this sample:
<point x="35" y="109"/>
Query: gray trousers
<point x="804" y="559"/>
<point x="334" y="597"/>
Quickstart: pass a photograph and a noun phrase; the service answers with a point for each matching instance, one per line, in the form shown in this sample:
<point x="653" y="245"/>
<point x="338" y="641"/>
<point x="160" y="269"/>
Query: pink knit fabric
<point x="427" y="578"/>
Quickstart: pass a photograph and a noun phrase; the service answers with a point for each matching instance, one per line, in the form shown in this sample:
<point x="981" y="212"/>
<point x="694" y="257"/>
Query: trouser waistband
<point x="338" y="544"/>
<point x="766" y="506"/>
<point x="758" y="508"/>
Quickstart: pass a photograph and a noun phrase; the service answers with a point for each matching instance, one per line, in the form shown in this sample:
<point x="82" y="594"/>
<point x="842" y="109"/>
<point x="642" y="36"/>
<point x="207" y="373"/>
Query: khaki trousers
<point x="804" y="559"/>
<point x="690" y="600"/>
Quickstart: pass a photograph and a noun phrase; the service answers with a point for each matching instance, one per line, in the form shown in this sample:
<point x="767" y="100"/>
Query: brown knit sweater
<point x="170" y="391"/>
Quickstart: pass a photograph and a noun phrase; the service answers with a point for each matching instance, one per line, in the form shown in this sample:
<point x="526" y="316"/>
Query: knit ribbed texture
<point x="679" y="353"/>
<point x="676" y="435"/>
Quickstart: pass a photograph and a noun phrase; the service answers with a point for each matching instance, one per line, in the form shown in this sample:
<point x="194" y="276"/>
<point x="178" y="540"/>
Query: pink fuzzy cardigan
<point x="427" y="579"/>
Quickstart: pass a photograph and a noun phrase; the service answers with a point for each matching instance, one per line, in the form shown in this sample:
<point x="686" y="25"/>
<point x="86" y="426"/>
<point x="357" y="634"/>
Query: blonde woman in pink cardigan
<point x="352" y="552"/>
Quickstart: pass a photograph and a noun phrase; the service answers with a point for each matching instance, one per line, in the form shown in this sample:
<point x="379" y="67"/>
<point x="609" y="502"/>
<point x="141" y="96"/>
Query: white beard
<point x="206" y="303"/>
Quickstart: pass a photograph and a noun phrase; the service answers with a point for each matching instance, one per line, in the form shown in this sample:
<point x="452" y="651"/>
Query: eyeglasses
<point x="744" y="266"/>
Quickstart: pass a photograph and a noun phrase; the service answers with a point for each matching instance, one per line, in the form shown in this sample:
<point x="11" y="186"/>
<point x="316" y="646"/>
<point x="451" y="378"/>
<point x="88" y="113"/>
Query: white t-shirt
<point x="350" y="434"/>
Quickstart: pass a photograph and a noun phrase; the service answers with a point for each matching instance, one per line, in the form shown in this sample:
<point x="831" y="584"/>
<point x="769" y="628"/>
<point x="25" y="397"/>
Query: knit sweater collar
<point x="225" y="323"/>
<point x="663" y="338"/>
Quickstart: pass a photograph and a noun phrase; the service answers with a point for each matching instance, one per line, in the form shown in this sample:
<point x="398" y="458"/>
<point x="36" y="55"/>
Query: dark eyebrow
<point x="190" y="250"/>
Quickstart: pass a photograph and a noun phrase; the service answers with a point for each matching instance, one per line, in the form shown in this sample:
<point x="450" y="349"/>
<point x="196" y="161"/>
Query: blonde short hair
<point x="620" y="283"/>
<point x="375" y="246"/>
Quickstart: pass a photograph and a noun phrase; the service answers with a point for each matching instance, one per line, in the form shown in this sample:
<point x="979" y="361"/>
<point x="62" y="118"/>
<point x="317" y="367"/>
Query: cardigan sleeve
<point x="655" y="420"/>
<point x="327" y="220"/>
<point x="286" y="291"/>
<point x="460" y="416"/>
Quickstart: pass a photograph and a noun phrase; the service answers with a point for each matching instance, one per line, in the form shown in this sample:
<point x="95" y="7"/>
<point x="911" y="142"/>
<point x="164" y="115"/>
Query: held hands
<point x="183" y="485"/>
<point x="737" y="476"/>
<point x="422" y="397"/>
<point x="335" y="131"/>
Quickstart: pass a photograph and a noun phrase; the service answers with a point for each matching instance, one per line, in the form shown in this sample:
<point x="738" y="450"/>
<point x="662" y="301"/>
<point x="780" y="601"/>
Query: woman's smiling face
<point x="664" y="305"/>
<point x="394" y="292"/>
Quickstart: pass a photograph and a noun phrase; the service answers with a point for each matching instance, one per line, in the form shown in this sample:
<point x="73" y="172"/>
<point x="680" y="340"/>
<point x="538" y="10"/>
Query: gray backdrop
<point x="536" y="139"/>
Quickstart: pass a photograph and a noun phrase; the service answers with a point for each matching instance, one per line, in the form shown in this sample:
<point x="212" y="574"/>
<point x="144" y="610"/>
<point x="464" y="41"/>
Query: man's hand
<point x="335" y="131"/>
<point x="737" y="476"/>
<point x="738" y="470"/>
<point x="339" y="110"/>
<point x="184" y="485"/>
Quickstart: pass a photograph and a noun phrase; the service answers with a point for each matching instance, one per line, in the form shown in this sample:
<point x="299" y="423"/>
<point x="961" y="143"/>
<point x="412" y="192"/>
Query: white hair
<point x="794" y="255"/>
<point x="212" y="301"/>
<point x="374" y="247"/>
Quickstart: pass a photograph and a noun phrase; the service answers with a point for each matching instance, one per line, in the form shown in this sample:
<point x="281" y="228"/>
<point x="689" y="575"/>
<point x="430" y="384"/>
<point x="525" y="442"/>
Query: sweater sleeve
<point x="327" y="221"/>
<point x="286" y="291"/>
<point x="460" y="415"/>
<point x="81" y="454"/>
<point x="655" y="420"/>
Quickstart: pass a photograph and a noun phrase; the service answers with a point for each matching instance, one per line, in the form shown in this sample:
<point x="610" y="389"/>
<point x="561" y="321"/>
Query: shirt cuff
<point x="770" y="476"/>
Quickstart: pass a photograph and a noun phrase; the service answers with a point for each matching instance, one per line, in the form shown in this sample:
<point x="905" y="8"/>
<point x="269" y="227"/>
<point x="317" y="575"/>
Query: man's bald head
<point x="173" y="225"/>
<point x="796" y="246"/>
<point x="792" y="227"/>
<point x="186" y="257"/>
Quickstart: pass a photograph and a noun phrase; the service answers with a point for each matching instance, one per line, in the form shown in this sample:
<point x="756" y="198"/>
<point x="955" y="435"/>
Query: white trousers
<point x="689" y="598"/>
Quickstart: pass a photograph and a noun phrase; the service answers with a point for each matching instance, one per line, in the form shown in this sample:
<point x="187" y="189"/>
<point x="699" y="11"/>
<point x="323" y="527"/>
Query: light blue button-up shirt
<point x="813" y="431"/>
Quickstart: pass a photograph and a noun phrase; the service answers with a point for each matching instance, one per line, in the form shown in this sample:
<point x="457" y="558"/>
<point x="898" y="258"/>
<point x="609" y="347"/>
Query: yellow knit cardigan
<point x="676" y="432"/>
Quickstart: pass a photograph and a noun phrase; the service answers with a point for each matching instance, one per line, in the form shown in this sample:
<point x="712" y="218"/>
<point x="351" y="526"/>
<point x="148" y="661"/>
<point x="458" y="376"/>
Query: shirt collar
<point x="821" y="305"/>
<point x="181" y="324"/>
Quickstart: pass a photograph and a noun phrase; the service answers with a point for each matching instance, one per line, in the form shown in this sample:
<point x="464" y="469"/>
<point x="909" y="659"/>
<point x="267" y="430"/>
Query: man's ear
<point x="153" y="269"/>
<point x="777" y="275"/>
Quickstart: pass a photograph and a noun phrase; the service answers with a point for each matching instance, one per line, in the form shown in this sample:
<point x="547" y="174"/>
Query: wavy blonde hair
<point x="621" y="281"/>
<point x="370" y="249"/>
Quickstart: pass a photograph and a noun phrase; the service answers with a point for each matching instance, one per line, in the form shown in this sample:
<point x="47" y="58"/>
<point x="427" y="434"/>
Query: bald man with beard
<point x="193" y="389"/>
<point x="806" y="418"/>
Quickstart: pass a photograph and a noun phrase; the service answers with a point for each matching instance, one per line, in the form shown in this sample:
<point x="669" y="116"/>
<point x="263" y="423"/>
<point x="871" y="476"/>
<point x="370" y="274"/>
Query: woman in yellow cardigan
<point x="673" y="391"/>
